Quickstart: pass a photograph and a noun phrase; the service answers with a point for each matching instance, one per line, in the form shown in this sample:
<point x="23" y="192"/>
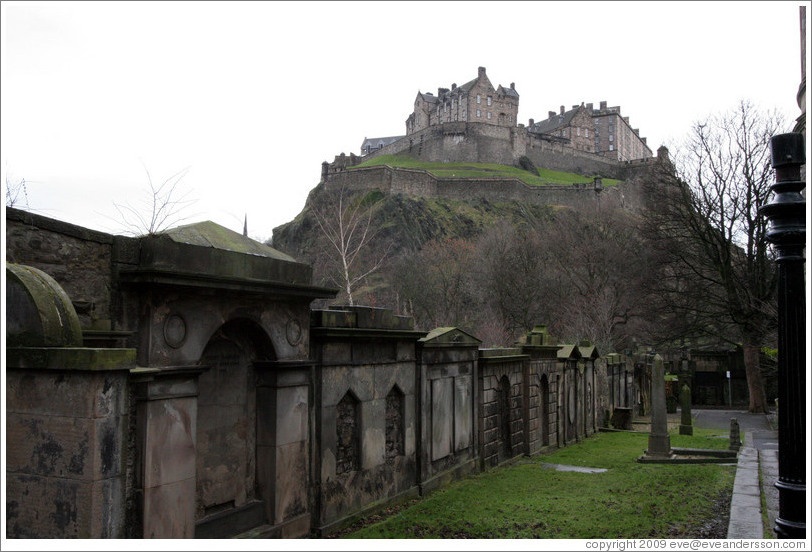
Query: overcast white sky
<point x="252" y="97"/>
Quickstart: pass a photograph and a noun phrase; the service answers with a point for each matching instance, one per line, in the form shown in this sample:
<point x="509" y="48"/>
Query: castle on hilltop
<point x="487" y="118"/>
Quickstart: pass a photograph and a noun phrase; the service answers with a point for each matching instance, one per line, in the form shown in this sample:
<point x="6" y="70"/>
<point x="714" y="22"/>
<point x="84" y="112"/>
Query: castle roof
<point x="379" y="142"/>
<point x="511" y="92"/>
<point x="554" y="122"/>
<point x="428" y="97"/>
<point x="468" y="85"/>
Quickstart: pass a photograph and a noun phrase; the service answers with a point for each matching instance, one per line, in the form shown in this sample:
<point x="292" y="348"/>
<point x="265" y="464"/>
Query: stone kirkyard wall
<point x="364" y="414"/>
<point x="248" y="410"/>
<point x="80" y="259"/>
<point x="66" y="418"/>
<point x="503" y="431"/>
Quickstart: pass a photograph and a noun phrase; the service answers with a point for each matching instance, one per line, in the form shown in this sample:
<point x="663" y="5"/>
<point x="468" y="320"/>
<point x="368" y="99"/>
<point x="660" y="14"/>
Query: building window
<point x="478" y="99"/>
<point x="611" y="147"/>
<point x="579" y="131"/>
<point x="489" y="100"/>
<point x="611" y="138"/>
<point x="586" y="130"/>
<point x="478" y="113"/>
<point x="489" y="114"/>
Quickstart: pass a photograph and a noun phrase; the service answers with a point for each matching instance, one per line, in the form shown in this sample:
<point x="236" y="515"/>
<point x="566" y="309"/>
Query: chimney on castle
<point x="531" y="122"/>
<point x="603" y="106"/>
<point x="551" y="114"/>
<point x="589" y="106"/>
<point x="481" y="72"/>
<point x="562" y="110"/>
<point x="513" y="86"/>
<point x="453" y="86"/>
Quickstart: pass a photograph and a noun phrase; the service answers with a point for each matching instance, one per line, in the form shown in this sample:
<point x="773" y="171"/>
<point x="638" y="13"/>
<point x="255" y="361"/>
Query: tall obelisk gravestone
<point x="659" y="443"/>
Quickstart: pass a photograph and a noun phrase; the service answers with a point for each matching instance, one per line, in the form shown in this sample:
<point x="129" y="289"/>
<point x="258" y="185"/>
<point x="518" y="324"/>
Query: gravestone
<point x="735" y="435"/>
<point x="685" y="427"/>
<point x="659" y="443"/>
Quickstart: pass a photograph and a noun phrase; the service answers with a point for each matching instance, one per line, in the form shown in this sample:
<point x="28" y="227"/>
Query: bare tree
<point x="435" y="283"/>
<point x="160" y="208"/>
<point x="16" y="192"/>
<point x="346" y="223"/>
<point x="513" y="277"/>
<point x="715" y="268"/>
<point x="600" y="262"/>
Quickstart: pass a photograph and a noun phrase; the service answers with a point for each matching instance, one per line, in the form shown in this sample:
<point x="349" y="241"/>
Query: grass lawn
<point x="527" y="500"/>
<point x="483" y="170"/>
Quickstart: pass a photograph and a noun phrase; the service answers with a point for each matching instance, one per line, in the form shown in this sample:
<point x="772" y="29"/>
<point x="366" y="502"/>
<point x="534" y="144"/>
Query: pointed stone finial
<point x="245" y="226"/>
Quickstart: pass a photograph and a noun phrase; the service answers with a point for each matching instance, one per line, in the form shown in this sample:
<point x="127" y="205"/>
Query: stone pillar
<point x="686" y="425"/>
<point x="735" y="435"/>
<point x="283" y="444"/>
<point x="66" y="418"/>
<point x="166" y="467"/>
<point x="659" y="442"/>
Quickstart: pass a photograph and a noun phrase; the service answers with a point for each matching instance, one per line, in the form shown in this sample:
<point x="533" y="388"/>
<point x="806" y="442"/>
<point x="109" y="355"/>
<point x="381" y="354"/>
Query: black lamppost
<point x="787" y="232"/>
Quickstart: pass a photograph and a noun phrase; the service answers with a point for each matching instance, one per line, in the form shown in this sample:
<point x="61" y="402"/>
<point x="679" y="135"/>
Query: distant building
<point x="576" y="126"/>
<point x="614" y="137"/>
<point x="477" y="122"/>
<point x="374" y="144"/>
<point x="476" y="101"/>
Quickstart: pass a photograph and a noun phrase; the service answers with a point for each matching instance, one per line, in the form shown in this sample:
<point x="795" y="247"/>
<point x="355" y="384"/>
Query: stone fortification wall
<point x="415" y="182"/>
<point x="558" y="156"/>
<point x="460" y="142"/>
<point x="472" y="142"/>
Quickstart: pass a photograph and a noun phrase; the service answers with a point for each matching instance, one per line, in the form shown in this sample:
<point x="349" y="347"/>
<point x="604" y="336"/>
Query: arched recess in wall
<point x="348" y="434"/>
<point x="394" y="424"/>
<point x="226" y="418"/>
<point x="545" y="410"/>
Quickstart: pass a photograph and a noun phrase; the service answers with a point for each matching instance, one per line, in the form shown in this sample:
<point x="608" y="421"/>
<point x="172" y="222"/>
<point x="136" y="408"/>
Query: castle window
<point x="478" y="113"/>
<point x="611" y="138"/>
<point x="586" y="130"/>
<point x="478" y="99"/>
<point x="611" y="147"/>
<point x="489" y="114"/>
<point x="579" y="131"/>
<point x="489" y="100"/>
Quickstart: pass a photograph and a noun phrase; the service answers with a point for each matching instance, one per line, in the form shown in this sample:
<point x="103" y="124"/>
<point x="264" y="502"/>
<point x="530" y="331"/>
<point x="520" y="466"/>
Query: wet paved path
<point x="759" y="450"/>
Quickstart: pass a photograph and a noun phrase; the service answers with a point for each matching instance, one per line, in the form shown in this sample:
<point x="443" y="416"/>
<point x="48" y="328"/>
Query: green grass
<point x="526" y="500"/>
<point x="483" y="170"/>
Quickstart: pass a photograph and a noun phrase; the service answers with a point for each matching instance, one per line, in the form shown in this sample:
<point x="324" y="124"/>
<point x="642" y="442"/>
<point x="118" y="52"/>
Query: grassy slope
<point x="527" y="500"/>
<point x="483" y="170"/>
